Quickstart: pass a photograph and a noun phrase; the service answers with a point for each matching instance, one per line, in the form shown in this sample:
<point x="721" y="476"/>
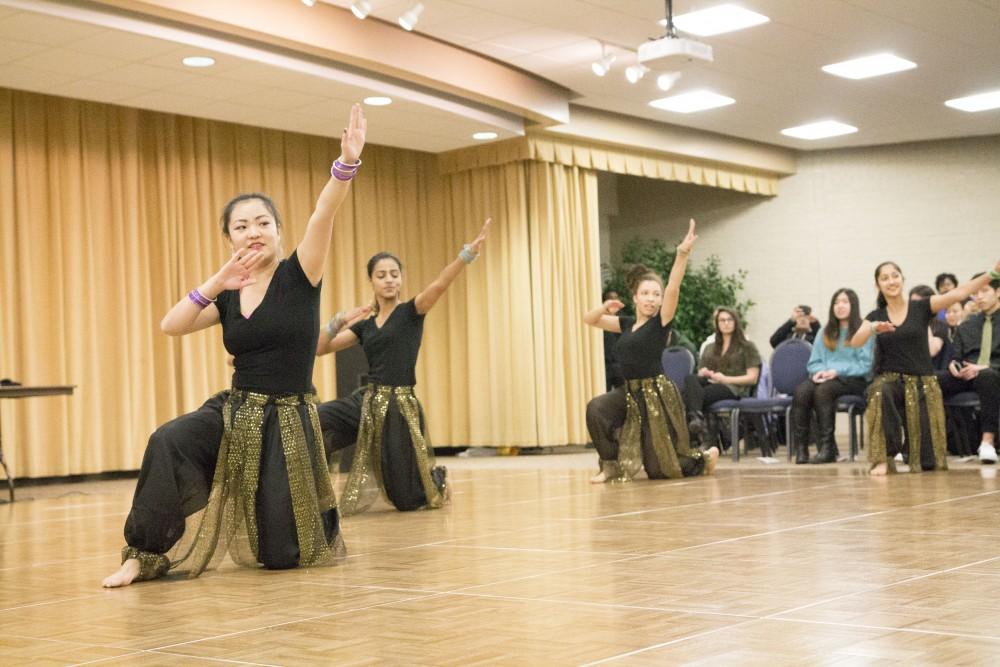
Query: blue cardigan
<point x="847" y="361"/>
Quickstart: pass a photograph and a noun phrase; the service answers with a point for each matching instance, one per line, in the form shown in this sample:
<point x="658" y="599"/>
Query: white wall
<point x="929" y="206"/>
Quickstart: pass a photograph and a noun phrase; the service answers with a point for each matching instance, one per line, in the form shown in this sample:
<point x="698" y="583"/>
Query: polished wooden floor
<point x="531" y="565"/>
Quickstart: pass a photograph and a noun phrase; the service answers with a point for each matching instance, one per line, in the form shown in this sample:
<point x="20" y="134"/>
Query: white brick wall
<point x="929" y="206"/>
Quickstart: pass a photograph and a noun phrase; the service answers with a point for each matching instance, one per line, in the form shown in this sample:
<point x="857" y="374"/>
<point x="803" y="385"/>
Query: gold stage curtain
<point x="111" y="214"/>
<point x="614" y="159"/>
<point x="530" y="362"/>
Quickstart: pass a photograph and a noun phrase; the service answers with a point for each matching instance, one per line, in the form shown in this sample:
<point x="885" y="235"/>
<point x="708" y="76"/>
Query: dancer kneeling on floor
<point x="385" y="418"/>
<point x="251" y="458"/>
<point x="647" y="408"/>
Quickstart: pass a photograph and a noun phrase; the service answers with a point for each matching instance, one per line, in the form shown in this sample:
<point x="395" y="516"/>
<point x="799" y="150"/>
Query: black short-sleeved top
<point x="638" y="352"/>
<point x="905" y="350"/>
<point x="275" y="348"/>
<point x="392" y="350"/>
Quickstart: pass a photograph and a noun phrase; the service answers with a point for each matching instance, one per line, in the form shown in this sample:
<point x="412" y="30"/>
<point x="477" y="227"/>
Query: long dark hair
<point x="831" y="332"/>
<point x="227" y="211"/>
<point x="375" y="259"/>
<point x="880" y="301"/>
<point x="737" y="341"/>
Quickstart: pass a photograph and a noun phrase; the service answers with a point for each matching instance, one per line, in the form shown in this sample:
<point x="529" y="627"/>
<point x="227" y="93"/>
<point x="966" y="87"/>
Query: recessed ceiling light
<point x="980" y="102"/>
<point x="199" y="61"/>
<point x="484" y="136"/>
<point x="698" y="100"/>
<point x="868" y="66"/>
<point x="717" y="20"/>
<point x="378" y="101"/>
<point x="819" y="130"/>
<point x="308" y="3"/>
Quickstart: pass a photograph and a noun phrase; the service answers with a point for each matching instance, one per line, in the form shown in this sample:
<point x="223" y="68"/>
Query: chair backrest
<point x="788" y="365"/>
<point x="678" y="363"/>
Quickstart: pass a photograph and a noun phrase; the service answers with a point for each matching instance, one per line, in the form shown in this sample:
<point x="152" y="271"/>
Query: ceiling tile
<point x="42" y="29"/>
<point x="65" y="61"/>
<point x="12" y="49"/>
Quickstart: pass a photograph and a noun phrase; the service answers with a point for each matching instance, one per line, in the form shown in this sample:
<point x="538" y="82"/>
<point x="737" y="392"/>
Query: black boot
<point x="827" y="444"/>
<point x="800" y="436"/>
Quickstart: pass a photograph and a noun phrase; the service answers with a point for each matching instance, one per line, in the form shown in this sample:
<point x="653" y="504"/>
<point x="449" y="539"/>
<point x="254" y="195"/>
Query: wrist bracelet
<point x="335" y="324"/>
<point x="871" y="325"/>
<point x="466" y="254"/>
<point x="343" y="171"/>
<point x="199" y="299"/>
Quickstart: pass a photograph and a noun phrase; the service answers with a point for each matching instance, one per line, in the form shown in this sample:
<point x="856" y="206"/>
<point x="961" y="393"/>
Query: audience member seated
<point x="975" y="364"/>
<point x="835" y="370"/>
<point x="801" y="325"/>
<point x="729" y="369"/>
<point x="954" y="315"/>
<point x="944" y="283"/>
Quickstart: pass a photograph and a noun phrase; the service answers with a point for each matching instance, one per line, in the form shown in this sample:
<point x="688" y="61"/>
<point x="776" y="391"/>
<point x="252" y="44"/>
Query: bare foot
<point x="599" y="478"/>
<point x="879" y="470"/>
<point x="713" y="458"/>
<point x="124" y="576"/>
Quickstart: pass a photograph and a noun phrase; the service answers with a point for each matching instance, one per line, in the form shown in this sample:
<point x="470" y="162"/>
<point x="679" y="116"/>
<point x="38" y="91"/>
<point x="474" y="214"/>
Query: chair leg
<point x="788" y="431"/>
<point x="852" y="446"/>
<point x="734" y="433"/>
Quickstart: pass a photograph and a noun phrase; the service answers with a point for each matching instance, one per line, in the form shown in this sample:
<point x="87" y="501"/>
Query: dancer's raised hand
<point x="477" y="243"/>
<point x="352" y="140"/>
<point x="685" y="246"/>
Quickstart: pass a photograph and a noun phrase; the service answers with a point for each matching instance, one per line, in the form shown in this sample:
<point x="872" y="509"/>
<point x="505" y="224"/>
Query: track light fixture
<point x="635" y="72"/>
<point x="602" y="66"/>
<point x="410" y="17"/>
<point x="361" y="9"/>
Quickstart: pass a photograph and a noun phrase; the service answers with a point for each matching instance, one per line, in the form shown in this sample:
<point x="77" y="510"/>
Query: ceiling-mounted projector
<point x="667" y="50"/>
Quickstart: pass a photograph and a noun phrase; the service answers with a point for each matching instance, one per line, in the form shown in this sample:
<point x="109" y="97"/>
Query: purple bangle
<point x="198" y="299"/>
<point x="342" y="171"/>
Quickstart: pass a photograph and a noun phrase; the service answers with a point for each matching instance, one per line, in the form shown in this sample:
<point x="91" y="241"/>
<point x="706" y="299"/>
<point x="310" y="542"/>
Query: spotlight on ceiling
<point x="602" y="66"/>
<point x="667" y="80"/>
<point x="410" y="17"/>
<point x="635" y="72"/>
<point x="308" y="3"/>
<point x="361" y="9"/>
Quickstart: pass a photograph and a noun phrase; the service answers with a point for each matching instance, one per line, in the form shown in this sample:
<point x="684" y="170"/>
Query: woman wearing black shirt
<point x="386" y="419"/>
<point x="647" y="408"/>
<point x="252" y="458"/>
<point x="905" y="398"/>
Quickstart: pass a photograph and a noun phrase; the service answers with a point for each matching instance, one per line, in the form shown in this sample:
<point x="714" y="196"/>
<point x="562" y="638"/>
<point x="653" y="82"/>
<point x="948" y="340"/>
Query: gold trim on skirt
<point x="664" y="408"/>
<point x="228" y="524"/>
<point x="365" y="481"/>
<point x="919" y="392"/>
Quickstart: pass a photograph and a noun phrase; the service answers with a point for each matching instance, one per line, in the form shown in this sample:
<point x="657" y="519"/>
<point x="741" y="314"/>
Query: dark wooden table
<point x="27" y="391"/>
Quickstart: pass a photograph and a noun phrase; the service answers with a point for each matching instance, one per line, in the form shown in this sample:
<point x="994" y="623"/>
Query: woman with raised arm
<point x="251" y="459"/>
<point x="385" y="419"/>
<point x="647" y="408"/>
<point x="905" y="397"/>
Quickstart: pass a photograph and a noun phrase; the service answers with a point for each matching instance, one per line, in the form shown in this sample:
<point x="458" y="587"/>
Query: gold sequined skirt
<point x="922" y="416"/>
<point x="656" y="402"/>
<point x="228" y="524"/>
<point x="367" y="479"/>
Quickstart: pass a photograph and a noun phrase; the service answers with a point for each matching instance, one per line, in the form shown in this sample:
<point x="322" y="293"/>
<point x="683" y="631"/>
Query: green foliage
<point x="704" y="287"/>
